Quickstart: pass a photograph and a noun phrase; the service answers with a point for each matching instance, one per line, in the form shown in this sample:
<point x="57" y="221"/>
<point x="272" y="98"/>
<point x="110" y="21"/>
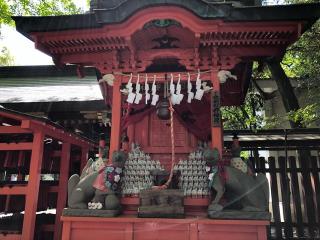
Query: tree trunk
<point x="285" y="88"/>
<point x="288" y="96"/>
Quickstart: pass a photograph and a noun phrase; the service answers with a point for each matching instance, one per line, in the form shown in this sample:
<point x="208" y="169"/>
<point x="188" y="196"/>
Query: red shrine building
<point x="203" y="49"/>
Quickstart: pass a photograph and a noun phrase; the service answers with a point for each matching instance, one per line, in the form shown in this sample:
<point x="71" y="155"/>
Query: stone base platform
<point x="90" y="212"/>
<point x="239" y="215"/>
<point x="161" y="212"/>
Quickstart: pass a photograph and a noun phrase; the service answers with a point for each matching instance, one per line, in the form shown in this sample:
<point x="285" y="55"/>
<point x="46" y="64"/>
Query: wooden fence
<point x="295" y="196"/>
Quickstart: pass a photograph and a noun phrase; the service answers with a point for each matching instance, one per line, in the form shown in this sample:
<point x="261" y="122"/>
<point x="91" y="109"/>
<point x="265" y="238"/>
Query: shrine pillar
<point x="115" y="118"/>
<point x="63" y="187"/>
<point x="216" y="125"/>
<point x="31" y="202"/>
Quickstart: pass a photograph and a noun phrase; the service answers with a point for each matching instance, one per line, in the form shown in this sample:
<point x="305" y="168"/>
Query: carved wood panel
<point x="160" y="134"/>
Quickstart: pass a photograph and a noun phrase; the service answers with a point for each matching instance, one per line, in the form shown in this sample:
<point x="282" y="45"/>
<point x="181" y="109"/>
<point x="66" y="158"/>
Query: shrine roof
<point x="16" y="115"/>
<point x="42" y="71"/>
<point x="203" y="9"/>
<point x="43" y="84"/>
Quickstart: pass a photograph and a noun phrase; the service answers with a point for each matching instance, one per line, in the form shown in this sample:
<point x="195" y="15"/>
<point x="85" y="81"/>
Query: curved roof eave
<point x="225" y="11"/>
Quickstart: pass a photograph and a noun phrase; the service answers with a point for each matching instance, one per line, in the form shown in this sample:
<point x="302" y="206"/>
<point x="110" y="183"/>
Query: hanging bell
<point x="163" y="111"/>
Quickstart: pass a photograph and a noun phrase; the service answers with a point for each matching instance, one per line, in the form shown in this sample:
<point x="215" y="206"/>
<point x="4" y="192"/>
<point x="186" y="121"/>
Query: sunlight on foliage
<point x="10" y="8"/>
<point x="5" y="58"/>
<point x="247" y="116"/>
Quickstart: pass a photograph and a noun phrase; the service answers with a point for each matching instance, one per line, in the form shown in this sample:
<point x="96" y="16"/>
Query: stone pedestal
<point x="90" y="212"/>
<point x="161" y="204"/>
<point x="239" y="215"/>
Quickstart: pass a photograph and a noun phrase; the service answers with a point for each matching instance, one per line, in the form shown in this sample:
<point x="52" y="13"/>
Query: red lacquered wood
<point x="129" y="231"/>
<point x="21" y="158"/>
<point x="55" y="132"/>
<point x="194" y="231"/>
<point x="10" y="237"/>
<point x="31" y="190"/>
<point x="33" y="186"/>
<point x="15" y="146"/>
<point x="130" y="200"/>
<point x="116" y="118"/>
<point x="262" y="232"/>
<point x="122" y="38"/>
<point x="66" y="230"/>
<point x="216" y="131"/>
<point x="188" y="201"/>
<point x="63" y="184"/>
<point x="129" y="227"/>
<point x="152" y="134"/>
<point x="161" y="76"/>
<point x="13" y="190"/>
<point x="13" y="129"/>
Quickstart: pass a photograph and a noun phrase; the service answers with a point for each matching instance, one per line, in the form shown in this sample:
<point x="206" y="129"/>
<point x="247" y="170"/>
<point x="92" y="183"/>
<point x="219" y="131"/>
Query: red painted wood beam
<point x="33" y="186"/>
<point x="115" y="118"/>
<point x="125" y="219"/>
<point x="137" y="21"/>
<point x="21" y="158"/>
<point x="16" y="146"/>
<point x="63" y="42"/>
<point x="167" y="149"/>
<point x="248" y="42"/>
<point x="11" y="115"/>
<point x="84" y="158"/>
<point x="13" y="129"/>
<point x="66" y="232"/>
<point x="63" y="184"/>
<point x="145" y="57"/>
<point x="160" y="77"/>
<point x="13" y="190"/>
<point x="10" y="236"/>
<point x="56" y="133"/>
<point x="216" y="130"/>
<point x="87" y="48"/>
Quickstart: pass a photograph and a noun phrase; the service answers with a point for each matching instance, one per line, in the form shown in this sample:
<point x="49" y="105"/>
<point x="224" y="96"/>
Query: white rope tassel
<point x="173" y="96"/>
<point x="155" y="96"/>
<point x="138" y="94"/>
<point x="146" y="89"/>
<point x="131" y="95"/>
<point x="199" y="92"/>
<point x="190" y="93"/>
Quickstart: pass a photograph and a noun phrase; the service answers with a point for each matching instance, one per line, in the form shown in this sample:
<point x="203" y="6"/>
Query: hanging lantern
<point x="163" y="111"/>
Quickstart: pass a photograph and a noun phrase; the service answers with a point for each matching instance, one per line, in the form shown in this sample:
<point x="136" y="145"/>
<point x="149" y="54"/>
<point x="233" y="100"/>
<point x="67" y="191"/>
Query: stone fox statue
<point x="240" y="190"/>
<point x="87" y="188"/>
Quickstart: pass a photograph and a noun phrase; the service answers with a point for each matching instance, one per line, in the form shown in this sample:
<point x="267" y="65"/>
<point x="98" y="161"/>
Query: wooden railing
<point x="295" y="196"/>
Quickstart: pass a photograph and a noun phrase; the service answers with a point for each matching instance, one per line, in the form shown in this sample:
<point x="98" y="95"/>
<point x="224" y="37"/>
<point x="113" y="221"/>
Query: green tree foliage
<point x="247" y="116"/>
<point x="5" y="58"/>
<point x="301" y="62"/>
<point x="10" y="8"/>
